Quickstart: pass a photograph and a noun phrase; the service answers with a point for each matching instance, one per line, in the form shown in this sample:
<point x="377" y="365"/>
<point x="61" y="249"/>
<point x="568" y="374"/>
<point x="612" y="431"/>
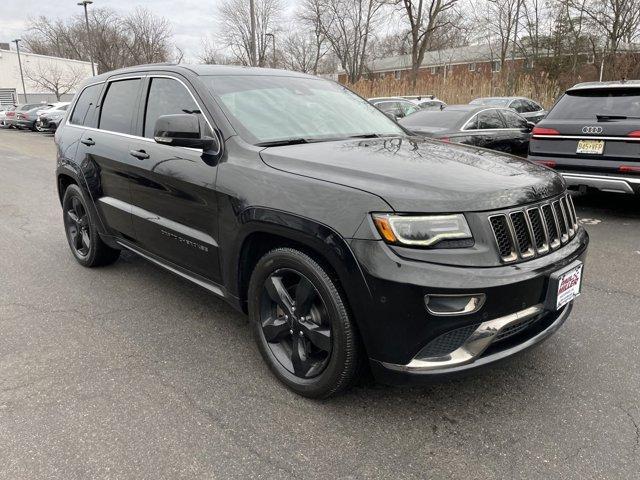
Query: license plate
<point x="590" y="147"/>
<point x="569" y="286"/>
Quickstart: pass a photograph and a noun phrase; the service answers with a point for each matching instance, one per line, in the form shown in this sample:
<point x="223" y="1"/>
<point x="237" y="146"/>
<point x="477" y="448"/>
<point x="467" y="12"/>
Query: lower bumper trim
<point x="602" y="182"/>
<point x="469" y="355"/>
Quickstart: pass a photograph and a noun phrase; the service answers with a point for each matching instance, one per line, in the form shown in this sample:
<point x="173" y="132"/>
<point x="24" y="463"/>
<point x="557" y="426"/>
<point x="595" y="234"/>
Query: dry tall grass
<point x="462" y="88"/>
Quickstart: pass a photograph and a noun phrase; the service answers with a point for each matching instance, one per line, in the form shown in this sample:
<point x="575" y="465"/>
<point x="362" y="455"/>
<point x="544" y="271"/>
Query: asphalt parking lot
<point x="130" y="372"/>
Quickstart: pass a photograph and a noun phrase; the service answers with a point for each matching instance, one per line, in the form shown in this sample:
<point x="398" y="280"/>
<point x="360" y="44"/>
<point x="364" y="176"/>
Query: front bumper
<point x="397" y="328"/>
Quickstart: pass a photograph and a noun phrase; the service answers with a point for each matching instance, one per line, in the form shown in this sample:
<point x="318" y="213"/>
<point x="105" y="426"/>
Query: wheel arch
<point x="264" y="229"/>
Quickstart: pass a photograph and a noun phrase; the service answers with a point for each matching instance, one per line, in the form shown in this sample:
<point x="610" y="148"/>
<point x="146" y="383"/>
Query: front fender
<point x="320" y="239"/>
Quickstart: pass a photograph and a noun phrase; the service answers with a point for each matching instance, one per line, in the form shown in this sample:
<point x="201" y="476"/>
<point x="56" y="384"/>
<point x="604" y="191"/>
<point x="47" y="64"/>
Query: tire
<point x="37" y="128"/>
<point x="83" y="238"/>
<point x="327" y="364"/>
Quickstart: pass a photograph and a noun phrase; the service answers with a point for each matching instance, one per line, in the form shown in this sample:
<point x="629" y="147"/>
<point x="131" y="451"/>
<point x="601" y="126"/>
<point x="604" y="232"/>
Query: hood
<point x="414" y="175"/>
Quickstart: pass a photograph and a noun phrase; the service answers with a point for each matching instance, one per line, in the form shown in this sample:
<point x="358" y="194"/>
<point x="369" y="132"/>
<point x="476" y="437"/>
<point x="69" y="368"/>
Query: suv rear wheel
<point x="301" y="324"/>
<point x="84" y="241"/>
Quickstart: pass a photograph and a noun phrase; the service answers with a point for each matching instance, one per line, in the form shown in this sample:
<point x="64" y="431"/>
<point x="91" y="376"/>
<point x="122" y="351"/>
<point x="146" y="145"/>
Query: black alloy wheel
<point x="301" y="323"/>
<point x="85" y="242"/>
<point x="295" y="323"/>
<point x="76" y="222"/>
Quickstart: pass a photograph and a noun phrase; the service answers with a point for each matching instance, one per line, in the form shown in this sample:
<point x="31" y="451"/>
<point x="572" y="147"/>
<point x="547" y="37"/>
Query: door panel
<point x="107" y="169"/>
<point x="174" y="207"/>
<point x="173" y="189"/>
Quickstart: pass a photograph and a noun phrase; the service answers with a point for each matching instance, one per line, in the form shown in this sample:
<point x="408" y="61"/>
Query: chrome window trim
<point x="137" y="137"/>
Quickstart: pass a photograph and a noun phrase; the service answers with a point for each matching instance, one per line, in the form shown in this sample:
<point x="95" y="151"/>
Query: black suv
<point x="347" y="241"/>
<point x="592" y="136"/>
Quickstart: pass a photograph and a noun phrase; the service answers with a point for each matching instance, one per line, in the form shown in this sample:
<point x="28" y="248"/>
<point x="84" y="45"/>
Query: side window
<point x="533" y="107"/>
<point x="119" y="105"/>
<point x="490" y="119"/>
<point x="166" y="97"/>
<point x="87" y="99"/>
<point x="513" y="120"/>
<point x="519" y="106"/>
<point x="387" y="107"/>
<point x="473" y="123"/>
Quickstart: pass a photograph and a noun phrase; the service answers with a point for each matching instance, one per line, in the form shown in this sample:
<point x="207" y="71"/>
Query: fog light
<point x="454" y="304"/>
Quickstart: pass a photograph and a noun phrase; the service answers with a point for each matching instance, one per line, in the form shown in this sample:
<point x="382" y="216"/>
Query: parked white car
<point x="3" y="114"/>
<point x="49" y="108"/>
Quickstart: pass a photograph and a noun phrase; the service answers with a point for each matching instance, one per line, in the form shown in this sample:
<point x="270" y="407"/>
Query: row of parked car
<point x="39" y="117"/>
<point x="591" y="135"/>
<point x="497" y="123"/>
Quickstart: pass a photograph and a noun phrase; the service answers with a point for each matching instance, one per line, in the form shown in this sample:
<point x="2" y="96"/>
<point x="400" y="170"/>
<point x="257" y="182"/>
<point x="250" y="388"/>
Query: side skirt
<point x="197" y="279"/>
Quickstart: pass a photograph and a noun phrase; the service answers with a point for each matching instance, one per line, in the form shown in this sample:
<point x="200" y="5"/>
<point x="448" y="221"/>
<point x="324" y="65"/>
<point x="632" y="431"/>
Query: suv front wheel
<point x="301" y="324"/>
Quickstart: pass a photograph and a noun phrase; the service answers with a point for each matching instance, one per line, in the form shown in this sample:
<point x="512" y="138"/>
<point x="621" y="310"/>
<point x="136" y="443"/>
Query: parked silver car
<point x="532" y="111"/>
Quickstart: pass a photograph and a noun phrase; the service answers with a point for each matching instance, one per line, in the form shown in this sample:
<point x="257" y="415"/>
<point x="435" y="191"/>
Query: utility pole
<point x="273" y="43"/>
<point x="84" y="4"/>
<point x="24" y="90"/>
<point x="252" y="43"/>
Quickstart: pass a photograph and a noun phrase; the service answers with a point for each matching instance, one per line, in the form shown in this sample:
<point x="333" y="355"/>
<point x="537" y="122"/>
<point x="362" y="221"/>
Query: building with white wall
<point x="43" y="75"/>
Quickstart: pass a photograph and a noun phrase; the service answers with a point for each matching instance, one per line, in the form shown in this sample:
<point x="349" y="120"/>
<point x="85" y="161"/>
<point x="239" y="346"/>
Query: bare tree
<point x="348" y="26"/>
<point x="117" y="41"/>
<point x="148" y="37"/>
<point x="54" y="78"/>
<point x="425" y="19"/>
<point x="615" y="21"/>
<point x="249" y="44"/>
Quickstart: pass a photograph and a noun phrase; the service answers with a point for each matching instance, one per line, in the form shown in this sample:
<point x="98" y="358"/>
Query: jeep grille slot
<point x="535" y="231"/>
<point x="502" y="234"/>
<point x="552" y="227"/>
<point x="539" y="235"/>
<point x="522" y="234"/>
<point x="562" y="222"/>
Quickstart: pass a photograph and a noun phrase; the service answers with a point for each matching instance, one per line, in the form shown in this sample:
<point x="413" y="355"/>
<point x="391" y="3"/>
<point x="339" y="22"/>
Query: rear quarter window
<point x="87" y="99"/>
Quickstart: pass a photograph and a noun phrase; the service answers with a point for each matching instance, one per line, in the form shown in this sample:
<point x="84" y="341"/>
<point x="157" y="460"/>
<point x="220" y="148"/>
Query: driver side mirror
<point x="530" y="126"/>
<point x="182" y="130"/>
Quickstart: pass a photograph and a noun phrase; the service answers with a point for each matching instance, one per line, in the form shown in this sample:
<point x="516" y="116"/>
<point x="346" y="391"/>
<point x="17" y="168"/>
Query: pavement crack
<point x="635" y="425"/>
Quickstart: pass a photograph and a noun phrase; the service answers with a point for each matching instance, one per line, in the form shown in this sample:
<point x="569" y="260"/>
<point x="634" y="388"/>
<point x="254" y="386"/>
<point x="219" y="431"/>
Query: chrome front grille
<point x="534" y="231"/>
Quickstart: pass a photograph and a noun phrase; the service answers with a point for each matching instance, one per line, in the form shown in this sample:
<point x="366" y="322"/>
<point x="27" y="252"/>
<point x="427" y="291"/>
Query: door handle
<point x="140" y="154"/>
<point x="88" y="142"/>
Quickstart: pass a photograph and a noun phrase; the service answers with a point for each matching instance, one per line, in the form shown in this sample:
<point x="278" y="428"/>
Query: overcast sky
<point x="191" y="19"/>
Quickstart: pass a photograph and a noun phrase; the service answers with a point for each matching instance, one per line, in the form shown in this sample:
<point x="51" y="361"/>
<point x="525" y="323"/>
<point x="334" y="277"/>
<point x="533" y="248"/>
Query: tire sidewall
<point x="325" y="383"/>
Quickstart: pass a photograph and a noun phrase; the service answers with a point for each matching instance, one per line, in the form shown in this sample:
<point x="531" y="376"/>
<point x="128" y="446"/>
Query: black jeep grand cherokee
<point x="346" y="240"/>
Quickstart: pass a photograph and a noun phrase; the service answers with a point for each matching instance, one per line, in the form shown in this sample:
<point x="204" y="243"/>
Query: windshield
<point x="588" y="104"/>
<point x="269" y="108"/>
<point x="438" y="118"/>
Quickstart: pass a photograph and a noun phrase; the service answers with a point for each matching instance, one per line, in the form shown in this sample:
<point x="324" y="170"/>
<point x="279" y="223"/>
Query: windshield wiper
<point x="365" y="135"/>
<point x="286" y="141"/>
<point x="614" y="117"/>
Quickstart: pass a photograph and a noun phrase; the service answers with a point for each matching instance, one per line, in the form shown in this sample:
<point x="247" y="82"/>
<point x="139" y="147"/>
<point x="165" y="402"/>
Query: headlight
<point x="421" y="231"/>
